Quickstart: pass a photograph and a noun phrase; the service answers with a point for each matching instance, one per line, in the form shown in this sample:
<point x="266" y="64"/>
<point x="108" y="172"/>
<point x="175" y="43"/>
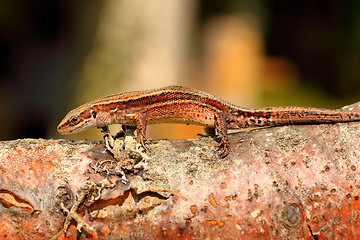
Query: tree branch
<point x="282" y="182"/>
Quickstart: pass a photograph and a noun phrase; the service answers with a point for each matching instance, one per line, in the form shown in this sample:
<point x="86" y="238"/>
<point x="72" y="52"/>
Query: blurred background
<point x="58" y="54"/>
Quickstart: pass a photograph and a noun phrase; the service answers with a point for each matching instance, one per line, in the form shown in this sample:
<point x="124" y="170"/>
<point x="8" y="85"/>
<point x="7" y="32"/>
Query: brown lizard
<point x="177" y="104"/>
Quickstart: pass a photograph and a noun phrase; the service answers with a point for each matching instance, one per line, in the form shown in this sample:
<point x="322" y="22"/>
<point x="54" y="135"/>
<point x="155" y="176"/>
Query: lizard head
<point x="77" y="120"/>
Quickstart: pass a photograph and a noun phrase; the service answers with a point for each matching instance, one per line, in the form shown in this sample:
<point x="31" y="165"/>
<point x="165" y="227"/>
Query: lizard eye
<point x="93" y="114"/>
<point x="74" y="121"/>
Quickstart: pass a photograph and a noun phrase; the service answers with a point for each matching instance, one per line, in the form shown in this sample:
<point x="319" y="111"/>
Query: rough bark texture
<point x="292" y="182"/>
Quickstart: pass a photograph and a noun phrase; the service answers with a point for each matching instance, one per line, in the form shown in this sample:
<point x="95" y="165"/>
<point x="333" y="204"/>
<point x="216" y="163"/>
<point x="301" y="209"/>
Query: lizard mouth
<point x="61" y="130"/>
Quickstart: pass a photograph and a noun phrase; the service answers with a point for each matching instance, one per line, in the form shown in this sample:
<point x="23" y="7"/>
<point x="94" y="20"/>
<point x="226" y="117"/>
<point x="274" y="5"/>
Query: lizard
<point x="178" y="104"/>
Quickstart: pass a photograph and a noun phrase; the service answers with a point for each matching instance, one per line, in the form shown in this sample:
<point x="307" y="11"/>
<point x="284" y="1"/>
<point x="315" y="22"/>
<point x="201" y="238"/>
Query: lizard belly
<point x="183" y="113"/>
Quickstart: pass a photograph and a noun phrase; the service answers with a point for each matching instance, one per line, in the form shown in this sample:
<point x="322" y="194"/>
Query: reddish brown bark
<point x="292" y="182"/>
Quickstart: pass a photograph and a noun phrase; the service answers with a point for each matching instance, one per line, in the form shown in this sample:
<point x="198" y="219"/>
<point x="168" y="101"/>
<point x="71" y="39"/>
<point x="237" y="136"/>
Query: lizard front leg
<point x="141" y="125"/>
<point x="108" y="138"/>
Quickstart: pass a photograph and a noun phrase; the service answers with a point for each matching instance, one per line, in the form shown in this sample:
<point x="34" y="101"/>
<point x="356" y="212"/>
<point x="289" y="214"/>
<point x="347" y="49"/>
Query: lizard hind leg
<point x="221" y="129"/>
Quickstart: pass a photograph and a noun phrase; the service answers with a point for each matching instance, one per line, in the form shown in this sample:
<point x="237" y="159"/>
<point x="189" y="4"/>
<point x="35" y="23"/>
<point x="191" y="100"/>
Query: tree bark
<point x="291" y="182"/>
